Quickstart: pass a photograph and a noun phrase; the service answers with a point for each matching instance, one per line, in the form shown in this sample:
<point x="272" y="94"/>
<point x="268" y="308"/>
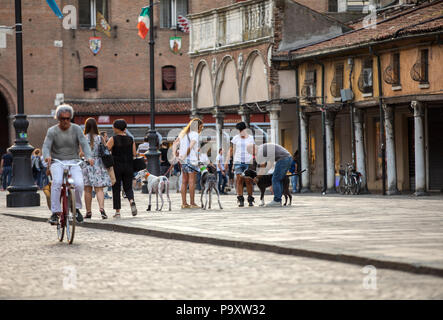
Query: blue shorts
<point x="239" y="168"/>
<point x="189" y="168"/>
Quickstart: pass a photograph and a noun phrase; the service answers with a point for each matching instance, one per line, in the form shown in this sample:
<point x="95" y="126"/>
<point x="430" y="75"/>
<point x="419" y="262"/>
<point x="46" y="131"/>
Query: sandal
<point x="102" y="212"/>
<point x="88" y="215"/>
<point x="186" y="206"/>
<point x="194" y="206"/>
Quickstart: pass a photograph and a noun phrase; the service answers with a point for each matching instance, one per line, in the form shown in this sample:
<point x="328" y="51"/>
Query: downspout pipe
<point x="297" y="110"/>
<point x="325" y="166"/>
<point x="382" y="116"/>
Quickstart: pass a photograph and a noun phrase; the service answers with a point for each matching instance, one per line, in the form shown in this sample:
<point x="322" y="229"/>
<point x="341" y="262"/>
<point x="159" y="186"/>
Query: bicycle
<point x="67" y="219"/>
<point x="350" y="180"/>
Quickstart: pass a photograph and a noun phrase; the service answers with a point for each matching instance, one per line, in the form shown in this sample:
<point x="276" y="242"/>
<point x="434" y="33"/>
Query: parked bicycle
<point x="350" y="180"/>
<point x="66" y="220"/>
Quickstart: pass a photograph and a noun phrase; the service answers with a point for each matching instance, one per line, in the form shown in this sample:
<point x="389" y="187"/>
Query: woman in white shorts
<point x="242" y="161"/>
<point x="188" y="143"/>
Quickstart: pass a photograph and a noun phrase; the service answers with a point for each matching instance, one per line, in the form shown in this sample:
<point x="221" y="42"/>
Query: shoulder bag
<point x="105" y="155"/>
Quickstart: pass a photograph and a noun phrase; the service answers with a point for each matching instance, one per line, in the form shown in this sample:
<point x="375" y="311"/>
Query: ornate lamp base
<point x="22" y="191"/>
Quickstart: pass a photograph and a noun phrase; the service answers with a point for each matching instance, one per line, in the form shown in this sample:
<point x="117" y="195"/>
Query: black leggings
<point x="125" y="175"/>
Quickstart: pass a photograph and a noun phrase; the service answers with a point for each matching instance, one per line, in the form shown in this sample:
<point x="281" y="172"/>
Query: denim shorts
<point x="239" y="168"/>
<point x="189" y="168"/>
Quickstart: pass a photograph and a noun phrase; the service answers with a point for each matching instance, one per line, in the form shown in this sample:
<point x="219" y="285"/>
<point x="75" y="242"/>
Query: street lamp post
<point x="153" y="155"/>
<point x="22" y="191"/>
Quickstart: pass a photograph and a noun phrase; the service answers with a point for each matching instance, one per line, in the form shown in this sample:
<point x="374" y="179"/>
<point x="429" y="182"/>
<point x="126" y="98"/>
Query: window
<point x="337" y="82"/>
<point x="391" y="75"/>
<point x="170" y="10"/>
<point x="396" y="68"/>
<point x="310" y="83"/>
<point x="424" y="53"/>
<point x="365" y="79"/>
<point x="87" y="12"/>
<point x="357" y="5"/>
<point x="332" y="6"/>
<point x="168" y="78"/>
<point x="90" y="78"/>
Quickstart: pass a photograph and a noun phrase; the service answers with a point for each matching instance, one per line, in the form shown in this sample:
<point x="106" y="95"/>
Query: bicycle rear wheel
<point x="341" y="185"/>
<point x="70" y="217"/>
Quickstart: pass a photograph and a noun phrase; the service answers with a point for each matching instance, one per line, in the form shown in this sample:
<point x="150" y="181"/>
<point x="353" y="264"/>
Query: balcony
<point x="238" y="24"/>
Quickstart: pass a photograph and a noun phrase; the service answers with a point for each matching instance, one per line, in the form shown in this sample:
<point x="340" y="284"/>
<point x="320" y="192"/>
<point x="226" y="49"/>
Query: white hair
<point x="63" y="108"/>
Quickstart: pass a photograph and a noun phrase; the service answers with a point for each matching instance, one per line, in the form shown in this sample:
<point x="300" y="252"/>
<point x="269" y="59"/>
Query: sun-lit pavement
<point x="398" y="229"/>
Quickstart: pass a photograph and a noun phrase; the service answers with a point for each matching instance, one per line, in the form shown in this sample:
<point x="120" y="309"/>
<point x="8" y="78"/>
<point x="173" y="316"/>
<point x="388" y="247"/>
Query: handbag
<point x="139" y="164"/>
<point x="105" y="155"/>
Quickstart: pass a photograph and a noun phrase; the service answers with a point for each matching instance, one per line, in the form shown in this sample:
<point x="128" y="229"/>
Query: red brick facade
<point x="122" y="62"/>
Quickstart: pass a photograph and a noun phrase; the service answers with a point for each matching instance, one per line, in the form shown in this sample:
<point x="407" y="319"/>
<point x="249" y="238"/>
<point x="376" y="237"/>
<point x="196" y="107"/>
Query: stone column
<point x="360" y="154"/>
<point x="330" y="151"/>
<point x="245" y="116"/>
<point x="391" y="164"/>
<point x="304" y="151"/>
<point x="219" y="120"/>
<point x="419" y="135"/>
<point x="274" y="110"/>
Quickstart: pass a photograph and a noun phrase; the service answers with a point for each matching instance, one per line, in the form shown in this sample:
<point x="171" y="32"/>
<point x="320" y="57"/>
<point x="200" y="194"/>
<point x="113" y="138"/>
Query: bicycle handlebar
<point x="69" y="164"/>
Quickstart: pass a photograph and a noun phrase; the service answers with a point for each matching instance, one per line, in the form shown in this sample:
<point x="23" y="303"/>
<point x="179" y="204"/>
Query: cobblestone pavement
<point x="110" y="265"/>
<point x="402" y="229"/>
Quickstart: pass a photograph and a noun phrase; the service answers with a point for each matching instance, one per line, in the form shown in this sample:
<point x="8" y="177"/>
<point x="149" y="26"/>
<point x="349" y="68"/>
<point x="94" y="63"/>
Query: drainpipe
<point x="323" y="126"/>
<point x="382" y="125"/>
<point x="351" y="107"/>
<point x="297" y="110"/>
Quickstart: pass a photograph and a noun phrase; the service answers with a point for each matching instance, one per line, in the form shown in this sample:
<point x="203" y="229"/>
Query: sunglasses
<point x="64" y="119"/>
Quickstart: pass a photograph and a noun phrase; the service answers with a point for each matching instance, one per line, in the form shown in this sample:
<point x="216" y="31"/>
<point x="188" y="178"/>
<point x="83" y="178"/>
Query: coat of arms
<point x="95" y="44"/>
<point x="175" y="44"/>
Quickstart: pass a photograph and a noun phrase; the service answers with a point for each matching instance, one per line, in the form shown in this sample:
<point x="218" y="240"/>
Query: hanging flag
<point x="183" y="24"/>
<point x="55" y="8"/>
<point x="103" y="25"/>
<point x="143" y="22"/>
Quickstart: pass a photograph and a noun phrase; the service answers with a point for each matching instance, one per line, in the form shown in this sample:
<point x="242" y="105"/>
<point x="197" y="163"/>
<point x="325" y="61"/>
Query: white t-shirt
<point x="204" y="159"/>
<point x="184" y="145"/>
<point x="220" y="161"/>
<point x="241" y="153"/>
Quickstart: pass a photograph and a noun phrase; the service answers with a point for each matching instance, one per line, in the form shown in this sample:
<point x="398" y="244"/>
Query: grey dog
<point x="208" y="182"/>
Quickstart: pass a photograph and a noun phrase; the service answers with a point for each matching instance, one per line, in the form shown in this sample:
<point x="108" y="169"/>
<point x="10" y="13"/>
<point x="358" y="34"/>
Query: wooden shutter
<point x="169" y="77"/>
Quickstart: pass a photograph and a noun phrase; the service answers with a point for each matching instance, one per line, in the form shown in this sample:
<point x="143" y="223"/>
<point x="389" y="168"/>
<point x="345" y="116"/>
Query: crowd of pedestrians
<point x="66" y="142"/>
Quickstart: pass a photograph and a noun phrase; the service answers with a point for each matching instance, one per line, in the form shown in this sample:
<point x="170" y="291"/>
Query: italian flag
<point x="143" y="22"/>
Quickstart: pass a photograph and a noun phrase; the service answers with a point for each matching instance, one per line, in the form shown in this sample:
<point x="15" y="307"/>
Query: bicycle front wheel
<point x="355" y="189"/>
<point x="70" y="217"/>
<point x="61" y="220"/>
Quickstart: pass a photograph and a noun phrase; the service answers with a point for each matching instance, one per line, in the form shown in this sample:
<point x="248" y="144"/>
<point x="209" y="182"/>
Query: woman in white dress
<point x="95" y="176"/>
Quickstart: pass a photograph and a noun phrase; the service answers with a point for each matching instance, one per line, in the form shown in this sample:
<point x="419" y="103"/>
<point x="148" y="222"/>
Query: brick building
<point x="59" y="65"/>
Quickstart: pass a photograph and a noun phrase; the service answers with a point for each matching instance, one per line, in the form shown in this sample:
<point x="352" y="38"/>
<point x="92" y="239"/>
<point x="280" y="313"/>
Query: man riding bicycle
<point x="63" y="142"/>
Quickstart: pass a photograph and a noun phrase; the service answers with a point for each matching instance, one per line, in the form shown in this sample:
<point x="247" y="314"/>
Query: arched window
<point x="90" y="78"/>
<point x="168" y="78"/>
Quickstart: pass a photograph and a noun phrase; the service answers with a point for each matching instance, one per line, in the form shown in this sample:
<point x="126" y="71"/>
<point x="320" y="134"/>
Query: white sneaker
<point x="274" y="204"/>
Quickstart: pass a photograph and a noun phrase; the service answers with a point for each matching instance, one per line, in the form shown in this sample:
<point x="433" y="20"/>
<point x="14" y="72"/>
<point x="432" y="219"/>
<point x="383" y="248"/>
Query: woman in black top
<point x="123" y="150"/>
